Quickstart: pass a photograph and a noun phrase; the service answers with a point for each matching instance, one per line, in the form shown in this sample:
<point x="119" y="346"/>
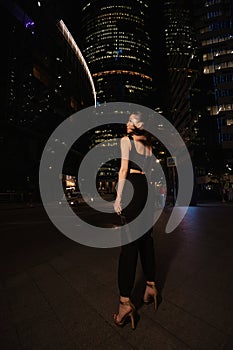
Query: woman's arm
<point x="125" y="149"/>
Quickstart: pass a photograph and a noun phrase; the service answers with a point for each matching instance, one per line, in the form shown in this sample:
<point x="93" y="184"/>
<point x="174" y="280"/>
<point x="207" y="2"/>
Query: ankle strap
<point x="128" y="302"/>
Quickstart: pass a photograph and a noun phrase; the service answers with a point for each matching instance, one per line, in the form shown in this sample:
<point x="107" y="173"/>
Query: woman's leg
<point x="147" y="255"/>
<point x="129" y="252"/>
<point x="126" y="275"/>
<point x="127" y="268"/>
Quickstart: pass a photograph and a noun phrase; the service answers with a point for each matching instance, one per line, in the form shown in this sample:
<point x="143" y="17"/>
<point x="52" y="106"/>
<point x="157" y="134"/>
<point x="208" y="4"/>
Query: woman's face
<point x="130" y="125"/>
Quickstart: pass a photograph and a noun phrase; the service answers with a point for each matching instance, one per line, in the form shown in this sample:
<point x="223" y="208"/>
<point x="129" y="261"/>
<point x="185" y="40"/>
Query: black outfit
<point x="143" y="245"/>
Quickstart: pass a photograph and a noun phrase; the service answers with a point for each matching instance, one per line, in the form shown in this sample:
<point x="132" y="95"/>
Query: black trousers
<point x="143" y="246"/>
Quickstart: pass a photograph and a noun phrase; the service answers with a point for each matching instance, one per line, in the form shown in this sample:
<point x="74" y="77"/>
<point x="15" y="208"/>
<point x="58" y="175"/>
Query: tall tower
<point x="214" y="25"/>
<point x="182" y="72"/>
<point x="45" y="80"/>
<point x="117" y="47"/>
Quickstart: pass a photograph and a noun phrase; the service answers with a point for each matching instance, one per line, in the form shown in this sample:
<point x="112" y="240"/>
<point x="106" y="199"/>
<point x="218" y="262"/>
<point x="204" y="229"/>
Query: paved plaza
<point x="57" y="294"/>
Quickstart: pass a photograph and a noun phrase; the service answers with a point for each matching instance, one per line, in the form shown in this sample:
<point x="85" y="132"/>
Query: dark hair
<point x="142" y="132"/>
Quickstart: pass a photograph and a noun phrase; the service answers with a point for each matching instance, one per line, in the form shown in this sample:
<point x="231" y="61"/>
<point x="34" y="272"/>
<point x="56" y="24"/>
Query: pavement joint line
<point x="79" y="295"/>
<point x="51" y="307"/>
<point x="171" y="333"/>
<point x="197" y="317"/>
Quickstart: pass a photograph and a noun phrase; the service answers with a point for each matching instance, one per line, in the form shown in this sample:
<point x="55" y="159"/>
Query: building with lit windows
<point x="117" y="46"/>
<point x="181" y="64"/>
<point x="214" y="26"/>
<point x="46" y="79"/>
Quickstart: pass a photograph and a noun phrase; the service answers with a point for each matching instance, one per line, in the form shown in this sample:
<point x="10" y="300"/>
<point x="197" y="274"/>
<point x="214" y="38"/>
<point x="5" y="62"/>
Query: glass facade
<point x="45" y="80"/>
<point x="117" y="47"/>
<point x="215" y="34"/>
<point x="181" y="62"/>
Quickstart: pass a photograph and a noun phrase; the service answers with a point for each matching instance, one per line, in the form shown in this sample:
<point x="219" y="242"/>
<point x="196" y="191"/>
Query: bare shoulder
<point x="125" y="138"/>
<point x="125" y="142"/>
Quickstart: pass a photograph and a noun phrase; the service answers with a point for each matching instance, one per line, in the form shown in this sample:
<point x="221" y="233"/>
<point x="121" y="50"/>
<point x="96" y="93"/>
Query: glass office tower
<point x="181" y="64"/>
<point x="117" y="47"/>
<point x="44" y="80"/>
<point x="116" y="43"/>
<point x="214" y="25"/>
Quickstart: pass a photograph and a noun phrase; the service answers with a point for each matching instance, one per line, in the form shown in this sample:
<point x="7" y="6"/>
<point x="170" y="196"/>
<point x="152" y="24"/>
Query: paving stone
<point x="9" y="339"/>
<point x="188" y="328"/>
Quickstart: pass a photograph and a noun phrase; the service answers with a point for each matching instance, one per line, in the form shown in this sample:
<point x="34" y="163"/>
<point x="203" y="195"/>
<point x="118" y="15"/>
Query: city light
<point x="61" y="25"/>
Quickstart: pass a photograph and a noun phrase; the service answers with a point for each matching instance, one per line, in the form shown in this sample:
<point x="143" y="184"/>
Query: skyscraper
<point x="182" y="72"/>
<point x="214" y="26"/>
<point x="45" y="80"/>
<point x="117" y="46"/>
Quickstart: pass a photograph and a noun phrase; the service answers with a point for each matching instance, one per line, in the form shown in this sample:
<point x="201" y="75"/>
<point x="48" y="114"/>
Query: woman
<point x="136" y="149"/>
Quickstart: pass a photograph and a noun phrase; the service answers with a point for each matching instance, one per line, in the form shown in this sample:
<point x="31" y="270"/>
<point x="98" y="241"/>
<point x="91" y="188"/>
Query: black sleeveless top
<point x="138" y="161"/>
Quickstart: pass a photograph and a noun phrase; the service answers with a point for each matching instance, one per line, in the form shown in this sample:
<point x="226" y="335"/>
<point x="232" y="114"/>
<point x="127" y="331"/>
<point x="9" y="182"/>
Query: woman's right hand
<point x="118" y="206"/>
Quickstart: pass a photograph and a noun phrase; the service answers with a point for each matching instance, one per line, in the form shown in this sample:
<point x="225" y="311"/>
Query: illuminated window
<point x="209" y="69"/>
<point x="208" y="56"/>
<point x="229" y="121"/>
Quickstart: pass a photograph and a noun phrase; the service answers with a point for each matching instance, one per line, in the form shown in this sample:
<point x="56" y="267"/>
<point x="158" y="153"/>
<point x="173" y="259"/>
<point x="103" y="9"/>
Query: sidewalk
<point x="57" y="294"/>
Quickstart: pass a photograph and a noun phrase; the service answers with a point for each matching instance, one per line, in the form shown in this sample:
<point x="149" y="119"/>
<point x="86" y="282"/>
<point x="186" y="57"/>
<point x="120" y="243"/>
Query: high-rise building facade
<point x="46" y="80"/>
<point x="117" y="46"/>
<point x="181" y="64"/>
<point x="214" y="26"/>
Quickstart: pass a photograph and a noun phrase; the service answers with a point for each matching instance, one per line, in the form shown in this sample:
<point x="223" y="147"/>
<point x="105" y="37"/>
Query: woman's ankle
<point x="124" y="299"/>
<point x="150" y="283"/>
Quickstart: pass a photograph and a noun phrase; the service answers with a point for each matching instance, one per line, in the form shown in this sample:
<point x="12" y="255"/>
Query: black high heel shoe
<point x="130" y="313"/>
<point x="151" y="296"/>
